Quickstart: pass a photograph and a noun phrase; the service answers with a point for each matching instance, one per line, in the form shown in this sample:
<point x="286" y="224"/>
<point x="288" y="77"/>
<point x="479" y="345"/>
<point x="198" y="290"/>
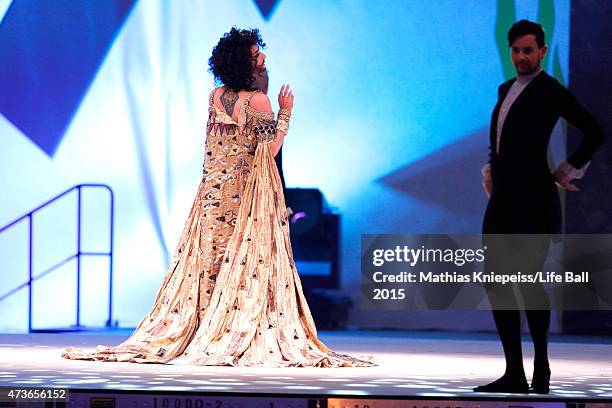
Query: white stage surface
<point x="410" y="365"/>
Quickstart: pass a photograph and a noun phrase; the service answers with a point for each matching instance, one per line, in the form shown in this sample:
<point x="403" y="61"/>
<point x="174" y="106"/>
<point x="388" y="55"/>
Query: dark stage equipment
<point x="315" y="238"/>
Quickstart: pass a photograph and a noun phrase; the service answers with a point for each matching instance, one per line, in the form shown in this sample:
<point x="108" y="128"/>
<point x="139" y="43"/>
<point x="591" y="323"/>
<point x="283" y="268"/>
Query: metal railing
<point x="79" y="253"/>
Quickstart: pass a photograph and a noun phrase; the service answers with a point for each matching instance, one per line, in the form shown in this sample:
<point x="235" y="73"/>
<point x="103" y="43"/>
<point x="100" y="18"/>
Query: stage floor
<point x="427" y="364"/>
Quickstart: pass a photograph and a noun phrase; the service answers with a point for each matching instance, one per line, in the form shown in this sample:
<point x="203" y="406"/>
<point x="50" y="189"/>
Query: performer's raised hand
<point x="285" y="98"/>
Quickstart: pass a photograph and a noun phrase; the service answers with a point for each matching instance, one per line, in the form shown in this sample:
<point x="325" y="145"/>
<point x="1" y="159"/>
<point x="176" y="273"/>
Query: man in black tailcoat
<point x="523" y="198"/>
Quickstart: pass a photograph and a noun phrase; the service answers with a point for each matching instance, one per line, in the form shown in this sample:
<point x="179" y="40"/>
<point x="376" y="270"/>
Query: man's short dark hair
<point x="526" y="27"/>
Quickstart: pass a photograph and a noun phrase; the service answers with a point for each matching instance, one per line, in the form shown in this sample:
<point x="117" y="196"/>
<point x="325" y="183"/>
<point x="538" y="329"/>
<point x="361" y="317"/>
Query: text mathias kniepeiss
<point x="482" y="277"/>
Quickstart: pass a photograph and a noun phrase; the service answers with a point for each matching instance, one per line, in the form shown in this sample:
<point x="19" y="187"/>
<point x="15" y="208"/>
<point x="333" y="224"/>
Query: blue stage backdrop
<point x="393" y="100"/>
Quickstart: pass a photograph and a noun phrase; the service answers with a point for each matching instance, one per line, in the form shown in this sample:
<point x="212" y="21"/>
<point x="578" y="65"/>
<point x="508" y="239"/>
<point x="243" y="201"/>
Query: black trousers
<point x="512" y="248"/>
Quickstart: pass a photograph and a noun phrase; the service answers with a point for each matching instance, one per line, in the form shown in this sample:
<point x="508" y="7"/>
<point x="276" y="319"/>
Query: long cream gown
<point x="232" y="294"/>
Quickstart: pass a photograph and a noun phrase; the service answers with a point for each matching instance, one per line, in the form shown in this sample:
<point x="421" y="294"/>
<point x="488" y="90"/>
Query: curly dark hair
<point x="231" y="62"/>
<point x="526" y="27"/>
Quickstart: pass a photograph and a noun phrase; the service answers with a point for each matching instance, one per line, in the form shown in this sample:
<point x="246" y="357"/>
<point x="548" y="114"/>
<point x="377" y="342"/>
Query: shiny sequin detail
<point x="265" y="131"/>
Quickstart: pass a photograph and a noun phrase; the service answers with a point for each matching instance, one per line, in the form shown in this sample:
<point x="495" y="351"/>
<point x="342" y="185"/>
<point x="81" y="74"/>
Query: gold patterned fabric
<point x="232" y="294"/>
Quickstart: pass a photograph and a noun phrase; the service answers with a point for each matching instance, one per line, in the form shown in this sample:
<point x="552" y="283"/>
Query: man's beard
<point x="527" y="69"/>
<point x="261" y="80"/>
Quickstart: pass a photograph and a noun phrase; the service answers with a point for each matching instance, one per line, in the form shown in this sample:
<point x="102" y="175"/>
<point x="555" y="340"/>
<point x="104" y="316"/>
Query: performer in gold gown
<point x="232" y="294"/>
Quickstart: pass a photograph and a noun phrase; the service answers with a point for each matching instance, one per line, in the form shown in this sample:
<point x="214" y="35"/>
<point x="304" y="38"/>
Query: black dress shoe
<point x="505" y="384"/>
<point x="540" y="383"/>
